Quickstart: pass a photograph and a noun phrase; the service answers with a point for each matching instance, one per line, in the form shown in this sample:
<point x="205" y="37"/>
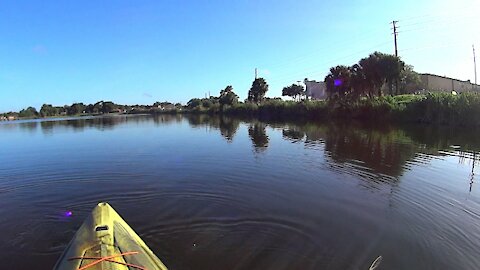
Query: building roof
<point x="444" y="77"/>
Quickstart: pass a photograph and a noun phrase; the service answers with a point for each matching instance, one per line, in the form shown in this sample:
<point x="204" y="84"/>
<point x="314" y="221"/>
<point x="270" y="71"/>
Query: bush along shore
<point x="433" y="108"/>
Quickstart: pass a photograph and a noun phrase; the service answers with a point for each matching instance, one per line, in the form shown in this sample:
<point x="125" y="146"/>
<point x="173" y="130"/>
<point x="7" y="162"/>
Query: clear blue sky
<point x="131" y="52"/>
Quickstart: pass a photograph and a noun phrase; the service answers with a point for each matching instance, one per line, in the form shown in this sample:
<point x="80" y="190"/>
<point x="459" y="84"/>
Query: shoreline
<point x="434" y="109"/>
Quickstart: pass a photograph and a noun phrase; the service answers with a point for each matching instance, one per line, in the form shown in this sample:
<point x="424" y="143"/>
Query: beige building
<point x="430" y="82"/>
<point x="315" y="90"/>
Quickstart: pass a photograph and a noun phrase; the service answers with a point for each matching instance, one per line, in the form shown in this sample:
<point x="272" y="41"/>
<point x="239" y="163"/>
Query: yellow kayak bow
<point x="106" y="241"/>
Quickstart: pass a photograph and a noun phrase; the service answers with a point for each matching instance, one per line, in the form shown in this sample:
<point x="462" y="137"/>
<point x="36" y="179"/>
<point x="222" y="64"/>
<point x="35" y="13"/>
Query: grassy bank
<point x="439" y="108"/>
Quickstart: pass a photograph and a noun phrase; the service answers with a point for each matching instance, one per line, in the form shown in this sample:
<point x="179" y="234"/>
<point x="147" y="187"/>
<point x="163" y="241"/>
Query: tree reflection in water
<point x="374" y="153"/>
<point x="258" y="134"/>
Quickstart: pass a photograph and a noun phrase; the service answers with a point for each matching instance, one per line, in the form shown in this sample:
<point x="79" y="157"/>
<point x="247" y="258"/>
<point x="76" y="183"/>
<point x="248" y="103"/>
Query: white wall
<point x="443" y="84"/>
<point x="315" y="90"/>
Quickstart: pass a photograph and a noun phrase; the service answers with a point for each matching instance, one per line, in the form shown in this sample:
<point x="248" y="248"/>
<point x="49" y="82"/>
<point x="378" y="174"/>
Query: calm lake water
<point x="221" y="193"/>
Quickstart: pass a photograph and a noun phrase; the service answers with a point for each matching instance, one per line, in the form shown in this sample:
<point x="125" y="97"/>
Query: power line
<point x="438" y="24"/>
<point x="329" y="45"/>
<point x="313" y="69"/>
<point x="304" y="57"/>
<point x="460" y="10"/>
<point x="440" y="19"/>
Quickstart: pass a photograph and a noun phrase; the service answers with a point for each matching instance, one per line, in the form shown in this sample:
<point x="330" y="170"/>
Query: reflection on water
<point x="228" y="127"/>
<point x="258" y="135"/>
<point x="381" y="150"/>
<point x="216" y="192"/>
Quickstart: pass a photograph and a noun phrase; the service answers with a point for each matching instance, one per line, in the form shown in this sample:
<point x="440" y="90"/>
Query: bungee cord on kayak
<point x="105" y="237"/>
<point x="107" y="259"/>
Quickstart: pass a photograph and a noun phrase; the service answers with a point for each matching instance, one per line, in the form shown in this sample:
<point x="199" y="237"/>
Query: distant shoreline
<point x="432" y="109"/>
<point x="63" y="117"/>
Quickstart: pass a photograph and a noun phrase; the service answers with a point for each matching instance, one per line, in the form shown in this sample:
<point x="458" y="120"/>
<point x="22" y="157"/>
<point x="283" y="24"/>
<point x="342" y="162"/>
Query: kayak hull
<point x="106" y="242"/>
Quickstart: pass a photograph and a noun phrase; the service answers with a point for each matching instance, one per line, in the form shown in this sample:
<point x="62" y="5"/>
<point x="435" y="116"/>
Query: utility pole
<point x="395" y="33"/>
<point x="255" y="73"/>
<point x="474" y="64"/>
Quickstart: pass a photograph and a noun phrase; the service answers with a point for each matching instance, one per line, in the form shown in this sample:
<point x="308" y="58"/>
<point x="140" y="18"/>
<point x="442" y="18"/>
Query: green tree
<point x="89" y="108"/>
<point x="409" y="80"/>
<point x="358" y="82"/>
<point x="258" y="90"/>
<point x="108" y="107"/>
<point x="227" y="97"/>
<point x="65" y="109"/>
<point x="391" y="67"/>
<point x="61" y="110"/>
<point x="28" y="112"/>
<point x="48" y="110"/>
<point x="207" y="102"/>
<point x="373" y="75"/>
<point x="76" y="108"/>
<point x="380" y="68"/>
<point x="338" y="81"/>
<point x="293" y="91"/>
<point x="194" y="103"/>
<point x="98" y="107"/>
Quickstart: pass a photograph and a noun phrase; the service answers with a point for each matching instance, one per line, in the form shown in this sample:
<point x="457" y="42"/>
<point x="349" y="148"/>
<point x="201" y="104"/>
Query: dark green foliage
<point x="371" y="69"/>
<point x="293" y="91"/>
<point x="338" y="81"/>
<point x="439" y="108"/>
<point x="444" y="108"/>
<point x="97" y="107"/>
<point x="76" y="108"/>
<point x="390" y="69"/>
<point x="359" y="82"/>
<point x="409" y="80"/>
<point x="29" y="112"/>
<point x="204" y="104"/>
<point x="109" y="107"/>
<point x="228" y="97"/>
<point x="258" y="90"/>
<point x="380" y="68"/>
<point x="48" y="110"/>
<point x="367" y="77"/>
<point x="194" y="102"/>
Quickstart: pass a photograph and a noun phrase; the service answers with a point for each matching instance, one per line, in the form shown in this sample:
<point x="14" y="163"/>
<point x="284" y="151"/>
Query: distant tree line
<point x="100" y="107"/>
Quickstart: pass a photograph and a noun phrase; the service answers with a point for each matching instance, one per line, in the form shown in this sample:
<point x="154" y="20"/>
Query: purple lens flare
<point x="68" y="213"/>
<point x="337" y="82"/>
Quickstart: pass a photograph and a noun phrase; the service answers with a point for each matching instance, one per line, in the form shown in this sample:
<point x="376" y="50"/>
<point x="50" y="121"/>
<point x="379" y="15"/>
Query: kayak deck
<point x="106" y="241"/>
